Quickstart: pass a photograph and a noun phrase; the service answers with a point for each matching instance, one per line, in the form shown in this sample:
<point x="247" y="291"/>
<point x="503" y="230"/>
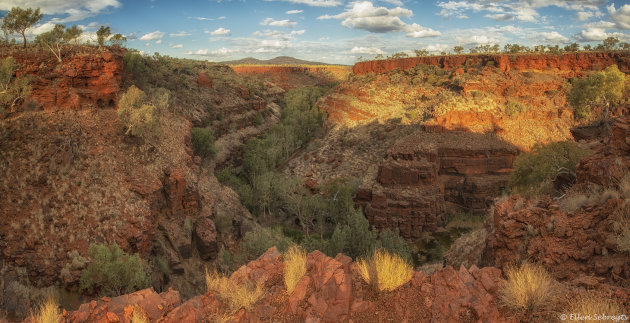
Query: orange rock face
<point x="565" y="62"/>
<point x="81" y="80"/>
<point x="426" y="173"/>
<point x="331" y="291"/>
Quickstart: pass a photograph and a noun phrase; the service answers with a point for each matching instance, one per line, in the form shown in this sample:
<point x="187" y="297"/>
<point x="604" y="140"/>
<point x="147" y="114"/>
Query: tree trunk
<point x="24" y="35"/>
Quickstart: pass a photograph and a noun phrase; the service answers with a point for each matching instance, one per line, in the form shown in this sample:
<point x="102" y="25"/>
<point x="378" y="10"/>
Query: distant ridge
<point x="280" y="60"/>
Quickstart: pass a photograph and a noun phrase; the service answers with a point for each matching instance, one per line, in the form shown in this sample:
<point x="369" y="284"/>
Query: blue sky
<point x="334" y="31"/>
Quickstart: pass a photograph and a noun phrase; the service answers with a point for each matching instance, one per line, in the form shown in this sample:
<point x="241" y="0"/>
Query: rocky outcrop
<point x="425" y="173"/>
<point x="580" y="242"/>
<point x="506" y="62"/>
<point x="573" y="245"/>
<point x="331" y="291"/>
<point x="86" y="78"/>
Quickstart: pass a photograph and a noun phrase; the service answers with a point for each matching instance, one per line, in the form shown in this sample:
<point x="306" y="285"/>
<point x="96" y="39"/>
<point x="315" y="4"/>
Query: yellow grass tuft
<point x="47" y="312"/>
<point x="528" y="287"/>
<point x="138" y="316"/>
<point x="294" y="267"/>
<point x="593" y="307"/>
<point x="235" y="295"/>
<point x="384" y="271"/>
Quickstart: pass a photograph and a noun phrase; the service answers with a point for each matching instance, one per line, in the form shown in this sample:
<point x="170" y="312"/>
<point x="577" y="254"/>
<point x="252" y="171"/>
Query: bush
<point x="47" y="312"/>
<point x="604" y="89"/>
<point x="384" y="271"/>
<point x="528" y="287"/>
<point x="513" y="108"/>
<point x="256" y="242"/>
<point x="203" y="142"/>
<point x="13" y="91"/>
<point x="294" y="267"/>
<point x="139" y="116"/>
<point x="540" y="165"/>
<point x="113" y="272"/>
<point x="392" y="242"/>
<point x="235" y="295"/>
<point x="592" y="305"/>
<point x="354" y="238"/>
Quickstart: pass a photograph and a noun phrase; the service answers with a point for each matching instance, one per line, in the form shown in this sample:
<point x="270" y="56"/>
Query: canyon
<point x="420" y="146"/>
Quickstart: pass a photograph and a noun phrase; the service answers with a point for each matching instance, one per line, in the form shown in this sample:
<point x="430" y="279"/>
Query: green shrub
<point x="513" y="108"/>
<point x="113" y="272"/>
<point x="539" y="166"/>
<point x="604" y="89"/>
<point x="256" y="242"/>
<point x="139" y="115"/>
<point x="13" y="91"/>
<point x="394" y="243"/>
<point x="203" y="142"/>
<point x="258" y="119"/>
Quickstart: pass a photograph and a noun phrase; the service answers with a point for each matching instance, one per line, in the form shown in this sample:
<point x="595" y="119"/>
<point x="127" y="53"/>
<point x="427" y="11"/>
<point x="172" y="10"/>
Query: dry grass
<point x="235" y="295"/>
<point x="592" y="308"/>
<point x="138" y="316"/>
<point x="294" y="267"/>
<point x="47" y="312"/>
<point x="384" y="271"/>
<point x="528" y="287"/>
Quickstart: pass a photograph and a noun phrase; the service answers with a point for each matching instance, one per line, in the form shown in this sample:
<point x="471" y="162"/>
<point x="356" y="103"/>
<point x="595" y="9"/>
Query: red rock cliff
<point x="86" y="77"/>
<point x="566" y="62"/>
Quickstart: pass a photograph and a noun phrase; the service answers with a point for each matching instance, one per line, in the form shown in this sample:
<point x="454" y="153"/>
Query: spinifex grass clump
<point x="47" y="312"/>
<point x="590" y="305"/>
<point x="294" y="267"/>
<point x="528" y="287"/>
<point x="385" y="271"/>
<point x="235" y="295"/>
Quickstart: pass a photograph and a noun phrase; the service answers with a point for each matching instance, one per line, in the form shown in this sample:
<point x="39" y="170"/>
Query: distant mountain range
<point x="280" y="60"/>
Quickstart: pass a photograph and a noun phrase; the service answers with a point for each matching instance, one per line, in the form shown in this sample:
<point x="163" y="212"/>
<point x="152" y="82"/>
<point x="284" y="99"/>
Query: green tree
<point x="118" y="40"/>
<point x="421" y="52"/>
<point x="113" y="272"/>
<point x="534" y="170"/>
<point x="609" y="43"/>
<point x="102" y="34"/>
<point x="458" y="49"/>
<point x="572" y="47"/>
<point x="587" y="47"/>
<point x="72" y="34"/>
<point x="203" y="142"/>
<point x="137" y="113"/>
<point x="53" y="40"/>
<point x="12" y="90"/>
<point x="604" y="89"/>
<point x="18" y="20"/>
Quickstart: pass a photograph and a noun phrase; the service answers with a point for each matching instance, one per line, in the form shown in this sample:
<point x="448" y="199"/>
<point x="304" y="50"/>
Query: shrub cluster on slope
<point x="113" y="272"/>
<point x="534" y="170"/>
<point x="603" y="89"/>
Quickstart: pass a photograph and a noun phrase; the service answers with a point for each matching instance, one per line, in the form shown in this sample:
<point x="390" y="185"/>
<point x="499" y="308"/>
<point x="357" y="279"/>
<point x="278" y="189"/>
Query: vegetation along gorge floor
<point x="486" y="186"/>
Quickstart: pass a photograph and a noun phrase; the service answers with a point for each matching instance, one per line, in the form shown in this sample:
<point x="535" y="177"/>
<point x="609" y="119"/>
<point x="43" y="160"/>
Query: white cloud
<point x="222" y="52"/>
<point x="152" y="35"/>
<point x="159" y="41"/>
<point x="220" y="32"/>
<point x="363" y="15"/>
<point x="278" y="23"/>
<point x="293" y="12"/>
<point x="177" y="46"/>
<point x="74" y="10"/>
<point x="500" y="16"/>
<point x="583" y="15"/>
<point x="437" y="48"/>
<point x="592" y="34"/>
<point x="206" y="18"/>
<point x="298" y="32"/>
<point x="621" y="16"/>
<point x="180" y="34"/>
<point x="316" y="3"/>
<point x="366" y="50"/>
<point x="522" y="10"/>
<point x="551" y="37"/>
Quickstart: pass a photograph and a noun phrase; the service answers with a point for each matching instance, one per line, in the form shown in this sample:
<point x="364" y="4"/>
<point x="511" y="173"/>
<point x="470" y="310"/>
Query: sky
<point x="333" y="31"/>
